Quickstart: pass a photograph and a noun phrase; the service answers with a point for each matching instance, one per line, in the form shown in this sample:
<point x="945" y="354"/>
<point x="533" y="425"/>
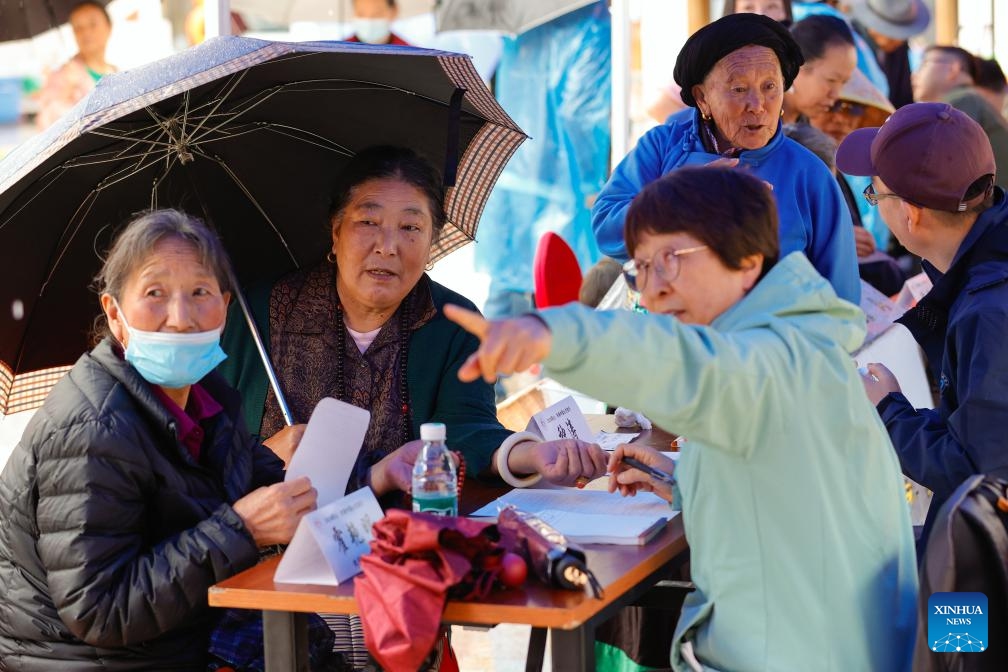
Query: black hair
<point x="386" y="161"/>
<point x="990" y="75"/>
<point x="730" y="211"/>
<point x="817" y="33"/>
<point x="93" y="3"/>
<point x="967" y="61"/>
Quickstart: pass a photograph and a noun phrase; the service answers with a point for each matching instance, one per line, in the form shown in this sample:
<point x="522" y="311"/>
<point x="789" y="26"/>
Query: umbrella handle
<point x="263" y="355"/>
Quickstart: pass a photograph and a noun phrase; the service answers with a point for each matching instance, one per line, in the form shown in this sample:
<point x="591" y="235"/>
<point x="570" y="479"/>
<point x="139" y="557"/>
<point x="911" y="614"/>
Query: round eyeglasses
<point x="873" y="197"/>
<point x="665" y="262"/>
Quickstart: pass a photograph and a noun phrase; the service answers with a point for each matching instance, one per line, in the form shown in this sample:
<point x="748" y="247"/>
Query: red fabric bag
<point x="415" y="560"/>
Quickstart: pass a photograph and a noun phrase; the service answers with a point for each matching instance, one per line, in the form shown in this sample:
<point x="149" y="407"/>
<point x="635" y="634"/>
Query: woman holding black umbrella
<point x="366" y="326"/>
<point x="136" y="486"/>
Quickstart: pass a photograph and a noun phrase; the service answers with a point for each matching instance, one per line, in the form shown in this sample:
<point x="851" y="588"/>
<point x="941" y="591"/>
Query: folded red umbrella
<point x="415" y="560"/>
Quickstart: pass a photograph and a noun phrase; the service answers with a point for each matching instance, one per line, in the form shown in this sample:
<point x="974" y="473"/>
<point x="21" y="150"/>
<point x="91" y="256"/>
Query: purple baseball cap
<point x="927" y="153"/>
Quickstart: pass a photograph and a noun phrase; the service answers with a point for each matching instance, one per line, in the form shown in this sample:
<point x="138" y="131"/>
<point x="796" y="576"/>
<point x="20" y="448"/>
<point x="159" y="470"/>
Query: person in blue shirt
<point x="733" y="74"/>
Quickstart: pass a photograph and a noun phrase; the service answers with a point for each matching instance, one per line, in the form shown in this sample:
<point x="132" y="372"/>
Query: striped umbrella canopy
<point x="247" y="134"/>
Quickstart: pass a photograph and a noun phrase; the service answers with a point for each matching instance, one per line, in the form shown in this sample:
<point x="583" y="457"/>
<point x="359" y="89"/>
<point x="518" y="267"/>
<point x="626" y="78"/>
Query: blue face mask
<point x="170" y="359"/>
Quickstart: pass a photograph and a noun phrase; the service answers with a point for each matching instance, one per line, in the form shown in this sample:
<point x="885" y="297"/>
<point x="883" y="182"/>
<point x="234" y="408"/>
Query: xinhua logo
<point x="957" y="622"/>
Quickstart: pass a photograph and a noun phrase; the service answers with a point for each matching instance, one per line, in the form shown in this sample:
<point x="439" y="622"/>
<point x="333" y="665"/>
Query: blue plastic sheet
<point x="555" y="82"/>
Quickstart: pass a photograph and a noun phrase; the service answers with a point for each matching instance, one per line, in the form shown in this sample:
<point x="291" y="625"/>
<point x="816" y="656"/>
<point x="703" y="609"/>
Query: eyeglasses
<point x="847" y="107"/>
<point x="873" y="198"/>
<point x="665" y="262"/>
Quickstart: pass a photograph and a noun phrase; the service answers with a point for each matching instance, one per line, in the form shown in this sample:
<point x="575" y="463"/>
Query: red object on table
<point x="557" y="274"/>
<point x="415" y="559"/>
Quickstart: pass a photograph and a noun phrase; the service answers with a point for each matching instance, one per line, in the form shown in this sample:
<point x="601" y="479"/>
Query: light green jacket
<point x="792" y="498"/>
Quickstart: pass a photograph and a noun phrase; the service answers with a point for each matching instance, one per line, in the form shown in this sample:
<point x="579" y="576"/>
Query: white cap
<point x="433" y="431"/>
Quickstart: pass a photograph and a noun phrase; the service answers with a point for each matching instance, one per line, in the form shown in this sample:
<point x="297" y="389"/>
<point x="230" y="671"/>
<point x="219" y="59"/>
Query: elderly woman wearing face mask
<point x="790" y="490"/>
<point x="733" y="74"/>
<point x="136" y="486"/>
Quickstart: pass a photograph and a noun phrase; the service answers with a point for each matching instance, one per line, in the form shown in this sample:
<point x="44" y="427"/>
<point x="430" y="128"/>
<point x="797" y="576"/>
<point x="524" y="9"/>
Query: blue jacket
<point x="961" y="325"/>
<point x="792" y="500"/>
<point x="814" y="218"/>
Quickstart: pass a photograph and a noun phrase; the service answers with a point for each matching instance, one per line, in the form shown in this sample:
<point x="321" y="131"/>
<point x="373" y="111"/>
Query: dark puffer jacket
<point x="111" y="534"/>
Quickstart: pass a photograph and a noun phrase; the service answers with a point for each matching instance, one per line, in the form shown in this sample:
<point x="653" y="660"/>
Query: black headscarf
<point x="716" y="40"/>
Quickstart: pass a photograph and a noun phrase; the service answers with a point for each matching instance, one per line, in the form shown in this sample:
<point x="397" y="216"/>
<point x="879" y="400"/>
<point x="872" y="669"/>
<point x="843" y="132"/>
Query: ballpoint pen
<point x="656" y="474"/>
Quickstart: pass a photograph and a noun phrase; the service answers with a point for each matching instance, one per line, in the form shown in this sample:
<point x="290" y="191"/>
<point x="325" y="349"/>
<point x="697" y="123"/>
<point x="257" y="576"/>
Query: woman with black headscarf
<point x="733" y="75"/>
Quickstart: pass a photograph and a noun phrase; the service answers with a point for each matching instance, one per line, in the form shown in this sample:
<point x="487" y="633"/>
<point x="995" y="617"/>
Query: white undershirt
<point x="363" y="339"/>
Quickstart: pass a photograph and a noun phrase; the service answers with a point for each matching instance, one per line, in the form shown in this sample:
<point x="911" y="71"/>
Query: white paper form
<point x="608" y="441"/>
<point x="599" y="502"/>
<point x="329" y="448"/>
<point x="329" y="542"/>
<point x="562" y="420"/>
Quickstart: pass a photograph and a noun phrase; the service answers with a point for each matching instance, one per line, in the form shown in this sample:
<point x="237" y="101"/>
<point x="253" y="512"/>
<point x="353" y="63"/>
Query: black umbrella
<point x="247" y="134"/>
<point x="21" y="19"/>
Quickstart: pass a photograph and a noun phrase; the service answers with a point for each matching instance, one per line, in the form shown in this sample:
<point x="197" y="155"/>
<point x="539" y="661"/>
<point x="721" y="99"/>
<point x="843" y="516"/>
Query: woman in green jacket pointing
<point x="801" y="546"/>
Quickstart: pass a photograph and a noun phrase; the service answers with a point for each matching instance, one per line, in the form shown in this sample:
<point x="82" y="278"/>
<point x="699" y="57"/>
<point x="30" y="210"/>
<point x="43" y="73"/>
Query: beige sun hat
<point x="859" y="89"/>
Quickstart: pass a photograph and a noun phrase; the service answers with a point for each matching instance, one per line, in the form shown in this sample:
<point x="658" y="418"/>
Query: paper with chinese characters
<point x="329" y="542"/>
<point x="329" y="448"/>
<point x="562" y="420"/>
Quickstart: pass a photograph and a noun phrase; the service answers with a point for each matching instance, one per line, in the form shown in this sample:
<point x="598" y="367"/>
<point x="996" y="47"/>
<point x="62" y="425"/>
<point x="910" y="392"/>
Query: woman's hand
<point x="630" y="480"/>
<point x="562" y="462"/>
<point x="285" y="442"/>
<point x="878" y="382"/>
<point x="272" y="513"/>
<point x="506" y="346"/>
<point x="395" y="470"/>
<point x="864" y="242"/>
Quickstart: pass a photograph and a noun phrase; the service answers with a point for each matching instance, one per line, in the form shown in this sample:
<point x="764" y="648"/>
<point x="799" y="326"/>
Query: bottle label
<point x="439" y="505"/>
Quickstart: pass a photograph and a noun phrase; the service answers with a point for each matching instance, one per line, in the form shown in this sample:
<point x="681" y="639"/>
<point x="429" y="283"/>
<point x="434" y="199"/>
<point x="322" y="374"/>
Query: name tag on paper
<point x="329" y="542"/>
<point x="562" y="420"/>
<point x="329" y="448"/>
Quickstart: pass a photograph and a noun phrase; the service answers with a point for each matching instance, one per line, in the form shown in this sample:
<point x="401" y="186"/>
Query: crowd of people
<point x="793" y="169"/>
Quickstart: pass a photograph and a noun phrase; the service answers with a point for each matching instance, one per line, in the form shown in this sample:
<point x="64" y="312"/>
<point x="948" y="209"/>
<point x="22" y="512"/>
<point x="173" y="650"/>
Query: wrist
<point x="503" y="466"/>
<point x="374" y="479"/>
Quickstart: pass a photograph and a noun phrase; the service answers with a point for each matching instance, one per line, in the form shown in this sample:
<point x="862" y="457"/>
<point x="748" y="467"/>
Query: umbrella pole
<point x="267" y="364"/>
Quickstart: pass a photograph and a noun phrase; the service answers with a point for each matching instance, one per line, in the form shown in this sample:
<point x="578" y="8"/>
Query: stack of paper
<point x="590" y="516"/>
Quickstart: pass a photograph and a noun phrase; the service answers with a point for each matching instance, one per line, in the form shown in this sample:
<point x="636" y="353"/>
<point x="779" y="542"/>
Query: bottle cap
<point x="433" y="431"/>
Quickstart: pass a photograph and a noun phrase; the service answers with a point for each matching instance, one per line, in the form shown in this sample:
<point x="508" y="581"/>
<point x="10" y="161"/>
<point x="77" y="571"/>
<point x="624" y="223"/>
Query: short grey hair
<point x="136" y="242"/>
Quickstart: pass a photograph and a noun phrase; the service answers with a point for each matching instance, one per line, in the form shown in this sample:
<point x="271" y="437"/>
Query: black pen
<point x="656" y="474"/>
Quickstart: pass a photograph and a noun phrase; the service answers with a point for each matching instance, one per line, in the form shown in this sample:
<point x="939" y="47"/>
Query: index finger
<point x="469" y="320"/>
<point x="723" y="162"/>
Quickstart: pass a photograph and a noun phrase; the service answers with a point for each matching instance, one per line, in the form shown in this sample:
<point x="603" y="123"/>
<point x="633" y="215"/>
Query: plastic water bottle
<point x="435" y="485"/>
